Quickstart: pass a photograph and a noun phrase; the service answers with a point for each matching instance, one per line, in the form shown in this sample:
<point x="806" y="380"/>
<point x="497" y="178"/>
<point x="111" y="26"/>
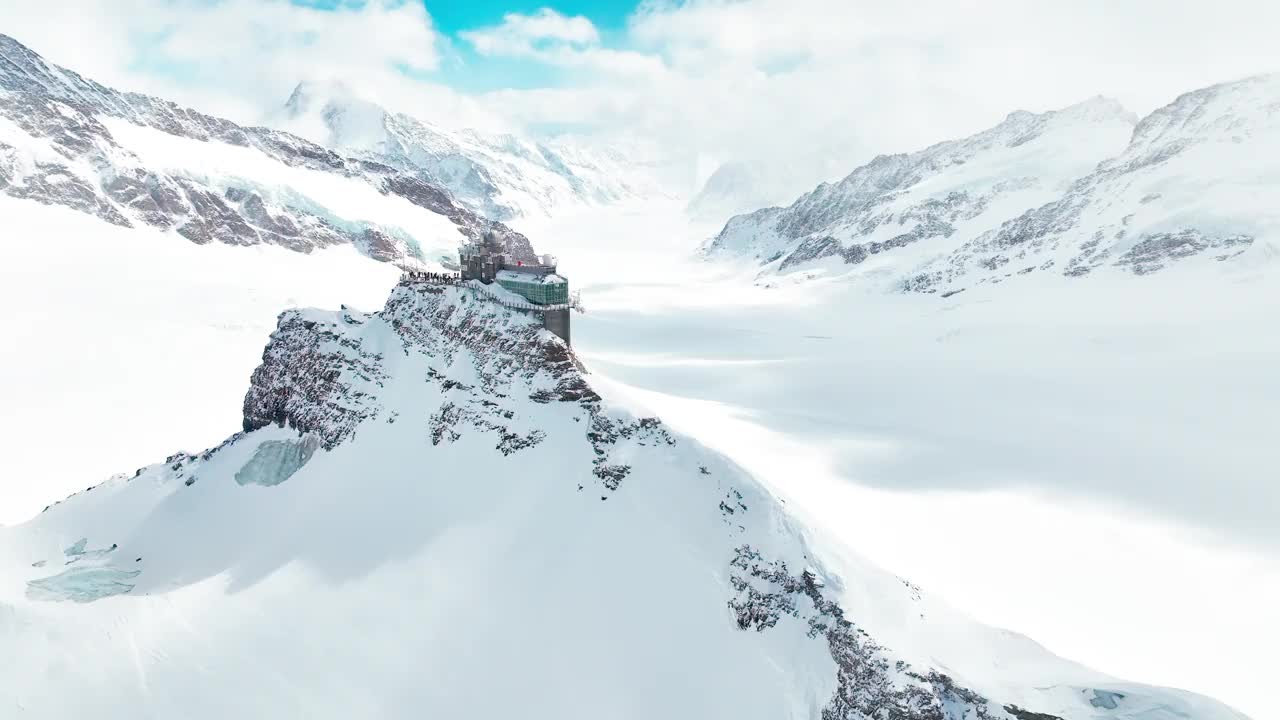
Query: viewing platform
<point x="532" y="287"/>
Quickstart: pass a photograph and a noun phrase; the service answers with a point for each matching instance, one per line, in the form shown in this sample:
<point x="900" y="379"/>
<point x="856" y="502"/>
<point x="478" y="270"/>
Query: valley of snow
<point x="1083" y="460"/>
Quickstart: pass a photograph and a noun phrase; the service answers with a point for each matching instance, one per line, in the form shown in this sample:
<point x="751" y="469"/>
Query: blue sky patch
<point x="462" y="68"/>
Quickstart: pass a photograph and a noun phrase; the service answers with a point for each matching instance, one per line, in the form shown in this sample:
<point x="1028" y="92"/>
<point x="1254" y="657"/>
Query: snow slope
<point x="431" y="511"/>
<point x="1089" y="465"/>
<point x="733" y="188"/>
<point x="134" y="342"/>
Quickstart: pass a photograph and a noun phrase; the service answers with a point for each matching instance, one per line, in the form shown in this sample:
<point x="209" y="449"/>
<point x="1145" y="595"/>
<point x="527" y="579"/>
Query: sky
<point x="802" y="90"/>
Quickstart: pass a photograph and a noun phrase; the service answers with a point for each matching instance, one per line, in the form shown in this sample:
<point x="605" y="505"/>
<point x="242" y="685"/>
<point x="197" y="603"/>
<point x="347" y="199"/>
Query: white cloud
<point x="239" y="58"/>
<point x="554" y="39"/>
<point x="804" y="90"/>
<point x="528" y="35"/>
<point x="810" y="89"/>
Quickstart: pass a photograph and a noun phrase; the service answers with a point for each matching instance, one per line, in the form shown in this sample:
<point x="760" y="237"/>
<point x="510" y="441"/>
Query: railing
<point x="504" y="299"/>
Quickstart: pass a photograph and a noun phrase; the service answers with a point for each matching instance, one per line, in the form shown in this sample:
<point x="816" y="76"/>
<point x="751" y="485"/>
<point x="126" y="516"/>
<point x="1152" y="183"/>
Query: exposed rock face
<point x="311" y="369"/>
<point x="58" y="152"/>
<point x="305" y="381"/>
<point x="871" y="684"/>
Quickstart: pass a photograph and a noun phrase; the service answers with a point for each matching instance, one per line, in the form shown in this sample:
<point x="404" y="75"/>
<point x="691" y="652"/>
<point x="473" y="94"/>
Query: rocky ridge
<point x="57" y="151"/>
<point x="1071" y="191"/>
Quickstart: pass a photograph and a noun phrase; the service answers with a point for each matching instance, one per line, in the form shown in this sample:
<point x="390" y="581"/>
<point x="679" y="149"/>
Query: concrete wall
<point x="557" y="321"/>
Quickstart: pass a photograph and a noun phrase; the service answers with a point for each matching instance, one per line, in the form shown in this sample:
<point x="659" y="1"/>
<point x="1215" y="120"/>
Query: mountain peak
<point x="332" y="113"/>
<point x="1225" y="110"/>
<point x="1098" y="108"/>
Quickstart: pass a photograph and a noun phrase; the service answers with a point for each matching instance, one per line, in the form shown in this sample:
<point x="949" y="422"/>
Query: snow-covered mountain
<point x="1067" y="191"/>
<point x="429" y="509"/>
<point x="135" y="160"/>
<point x="499" y="176"/>
<point x="734" y="187"/>
<point x="1197" y="179"/>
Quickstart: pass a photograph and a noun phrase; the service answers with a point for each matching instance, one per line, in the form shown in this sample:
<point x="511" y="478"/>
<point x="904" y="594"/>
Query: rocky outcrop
<point x="871" y="684"/>
<point x="318" y="377"/>
<point x="310" y="380"/>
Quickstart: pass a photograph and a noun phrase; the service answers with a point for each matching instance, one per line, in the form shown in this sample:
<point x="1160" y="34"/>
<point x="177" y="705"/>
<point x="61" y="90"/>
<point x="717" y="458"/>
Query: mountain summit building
<point x="538" y="283"/>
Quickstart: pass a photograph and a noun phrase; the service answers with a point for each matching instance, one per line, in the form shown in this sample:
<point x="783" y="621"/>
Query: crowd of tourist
<point x="434" y="278"/>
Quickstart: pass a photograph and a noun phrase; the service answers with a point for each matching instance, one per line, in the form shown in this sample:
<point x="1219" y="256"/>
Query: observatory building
<point x="538" y="283"/>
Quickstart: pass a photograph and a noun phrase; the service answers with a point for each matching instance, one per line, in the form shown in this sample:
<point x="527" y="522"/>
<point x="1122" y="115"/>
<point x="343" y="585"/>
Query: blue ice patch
<point x="276" y="461"/>
<point x="82" y="584"/>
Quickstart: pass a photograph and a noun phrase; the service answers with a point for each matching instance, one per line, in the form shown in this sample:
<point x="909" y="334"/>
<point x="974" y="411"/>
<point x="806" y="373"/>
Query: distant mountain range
<point x="502" y="177"/>
<point x="1085" y="189"/>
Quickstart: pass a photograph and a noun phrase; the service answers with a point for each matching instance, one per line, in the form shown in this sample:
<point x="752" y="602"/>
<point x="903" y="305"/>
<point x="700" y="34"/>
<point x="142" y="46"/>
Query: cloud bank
<point x="804" y="89"/>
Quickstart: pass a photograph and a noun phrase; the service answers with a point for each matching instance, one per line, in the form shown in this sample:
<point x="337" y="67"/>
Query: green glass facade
<point x="538" y="293"/>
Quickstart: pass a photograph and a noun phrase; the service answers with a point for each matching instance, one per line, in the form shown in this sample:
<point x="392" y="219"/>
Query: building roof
<point x="524" y="277"/>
